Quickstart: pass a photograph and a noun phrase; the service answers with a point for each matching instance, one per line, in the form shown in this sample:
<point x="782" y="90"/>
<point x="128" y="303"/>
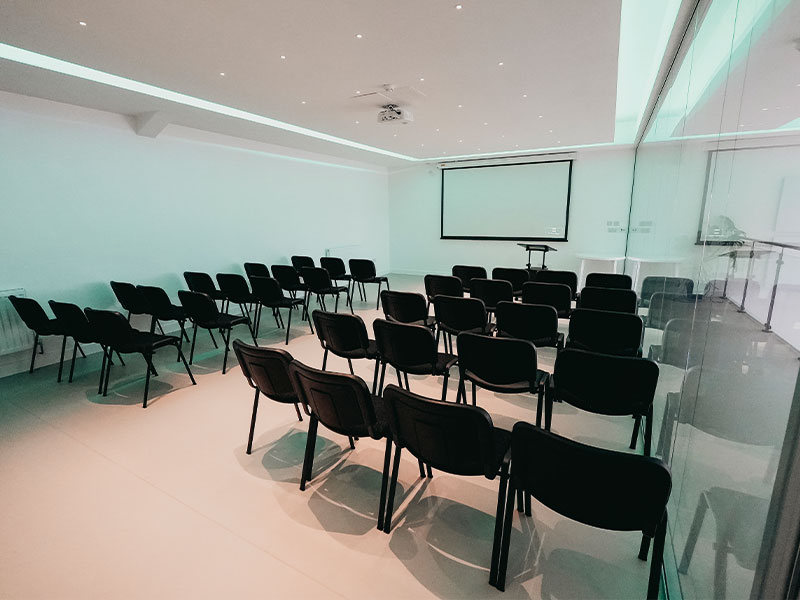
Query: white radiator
<point x="14" y="335"/>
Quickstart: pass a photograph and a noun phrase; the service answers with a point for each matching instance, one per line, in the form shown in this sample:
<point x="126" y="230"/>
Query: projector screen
<point x="528" y="201"/>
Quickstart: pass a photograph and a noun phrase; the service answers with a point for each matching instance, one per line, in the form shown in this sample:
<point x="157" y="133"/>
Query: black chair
<point x="116" y="334"/>
<point x="680" y="345"/>
<point x="406" y="307"/>
<point x="268" y="292"/>
<point x="606" y="385"/>
<point x="557" y="295"/>
<point x="502" y="365"/>
<point x="345" y="336"/>
<point x="204" y="284"/>
<point x="35" y="319"/>
<point x="455" y="315"/>
<point x="162" y="309"/>
<point x="300" y="262"/>
<point x="203" y="312"/>
<point x="343" y="404"/>
<point x="411" y="349"/>
<point x="290" y="281"/>
<point x="597" y="487"/>
<point x="337" y="270"/>
<point x="665" y="306"/>
<point x="605" y="331"/>
<point x="442" y="285"/>
<point x="466" y="273"/>
<point x="363" y="271"/>
<point x="456" y="439"/>
<point x="613" y="299"/>
<point x="537" y="323"/>
<point x="235" y="289"/>
<point x="267" y="371"/>
<point x="318" y="282"/>
<point x="74" y="324"/>
<point x="491" y="291"/>
<point x="516" y="277"/>
<point x="256" y="270"/>
<point x="569" y="278"/>
<point x="666" y="285"/>
<point x="617" y="281"/>
<point x="130" y="299"/>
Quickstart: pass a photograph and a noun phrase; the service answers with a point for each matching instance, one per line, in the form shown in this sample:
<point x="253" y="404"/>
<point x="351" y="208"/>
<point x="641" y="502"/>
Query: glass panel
<point x="714" y="249"/>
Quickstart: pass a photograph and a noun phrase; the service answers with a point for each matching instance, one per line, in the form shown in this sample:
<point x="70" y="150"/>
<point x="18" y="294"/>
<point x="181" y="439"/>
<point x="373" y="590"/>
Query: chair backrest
<point x="316" y="278"/>
<point x="569" y="278"/>
<point x="557" y="295"/>
<point x="362" y="268"/>
<point x="605" y="384"/>
<point x="341" y="333"/>
<point x="516" y="277"/>
<point x="341" y="402"/>
<point x="404" y="307"/>
<point x="404" y="346"/>
<point x="256" y="270"/>
<point x="200" y="282"/>
<point x="266" y="290"/>
<point x="491" y="291"/>
<point x="267" y="370"/>
<point x="73" y="321"/>
<point x="287" y="276"/>
<point x="618" y="281"/>
<point x="235" y="287"/>
<point x="679" y="347"/>
<point x="497" y="360"/>
<point x="602" y="488"/>
<point x="335" y="266"/>
<point x="110" y="327"/>
<point x="157" y="299"/>
<point x="31" y="313"/>
<point x="466" y="273"/>
<point x="458" y="314"/>
<point x="449" y="437"/>
<point x="666" y="285"/>
<point x="614" y="299"/>
<point x="199" y="307"/>
<point x="663" y="307"/>
<point x="299" y="262"/>
<point x="605" y="331"/>
<point x="442" y="285"/>
<point x="537" y="323"/>
<point x="130" y="298"/>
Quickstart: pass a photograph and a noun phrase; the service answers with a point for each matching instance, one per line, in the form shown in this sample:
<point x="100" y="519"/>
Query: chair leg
<point x="429" y="470"/>
<point x="498" y="523"/>
<point x="405" y="377"/>
<point x="379" y="296"/>
<point x="182" y="325"/>
<point x="350" y="301"/>
<point x="444" y="385"/>
<point x="474" y="396"/>
<point x="325" y="359"/>
<point x="194" y="339"/>
<point x="506" y="540"/>
<point x="656" y="561"/>
<point x="648" y="430"/>
<point x="147" y="358"/>
<point x="336" y="304"/>
<point x="308" y="461"/>
<point x="81" y="349"/>
<point x="253" y="423"/>
<point x="421" y="469"/>
<point x="539" y="407"/>
<point x="33" y="356"/>
<point x="352" y="442"/>
<point x="383" y="374"/>
<point x="399" y="380"/>
<point x="387" y="521"/>
<point x="635" y="435"/>
<point x="119" y="356"/>
<point x="350" y="364"/>
<point x="61" y="360"/>
<point x="528" y="511"/>
<point x="520" y="501"/>
<point x="289" y="326"/>
<point x="183" y="358"/>
<point x="297" y="408"/>
<point x="227" y="346"/>
<point x="108" y="373"/>
<point x="103" y="367"/>
<point x="694" y="533"/>
<point x="375" y="378"/>
<point x="211" y="333"/>
<point x="72" y="363"/>
<point x="384" y="481"/>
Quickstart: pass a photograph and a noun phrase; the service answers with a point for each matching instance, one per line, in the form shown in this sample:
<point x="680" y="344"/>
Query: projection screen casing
<point x="533" y="206"/>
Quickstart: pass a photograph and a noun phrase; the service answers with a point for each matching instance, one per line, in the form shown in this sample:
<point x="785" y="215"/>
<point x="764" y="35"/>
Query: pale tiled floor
<point x="101" y="498"/>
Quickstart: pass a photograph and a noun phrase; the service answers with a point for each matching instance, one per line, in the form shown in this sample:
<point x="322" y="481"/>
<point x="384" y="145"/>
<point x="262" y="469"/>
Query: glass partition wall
<point x="716" y="214"/>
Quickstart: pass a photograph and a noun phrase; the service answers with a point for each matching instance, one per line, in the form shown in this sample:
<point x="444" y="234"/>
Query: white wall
<point x="84" y="200"/>
<point x="601" y="191"/>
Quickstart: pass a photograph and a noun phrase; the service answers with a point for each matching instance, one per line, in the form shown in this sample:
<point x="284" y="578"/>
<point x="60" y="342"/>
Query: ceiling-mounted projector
<point x="392" y="112"/>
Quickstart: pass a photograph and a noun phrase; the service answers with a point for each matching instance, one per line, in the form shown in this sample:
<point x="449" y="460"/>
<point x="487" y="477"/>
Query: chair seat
<point x="223" y="321"/>
<point x="516" y="387"/>
<point x="174" y="313"/>
<point x="502" y="443"/>
<point x="52" y="327"/>
<point x="376" y="279"/>
<point x="342" y="277"/>
<point x="284" y="303"/>
<point x="371" y="352"/>
<point x="331" y="290"/>
<point x="485" y="330"/>
<point x="429" y="322"/>
<point x="142" y="340"/>
<point x="443" y="364"/>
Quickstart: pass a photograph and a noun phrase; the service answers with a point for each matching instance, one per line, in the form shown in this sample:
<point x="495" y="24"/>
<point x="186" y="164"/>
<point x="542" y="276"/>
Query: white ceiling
<point x="562" y="55"/>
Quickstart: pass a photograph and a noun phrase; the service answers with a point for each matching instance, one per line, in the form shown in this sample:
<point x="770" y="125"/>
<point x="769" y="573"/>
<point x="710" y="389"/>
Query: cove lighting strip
<point x="34" y="59"/>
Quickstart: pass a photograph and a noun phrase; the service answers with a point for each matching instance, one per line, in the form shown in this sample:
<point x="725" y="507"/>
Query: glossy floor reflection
<point x="102" y="498"/>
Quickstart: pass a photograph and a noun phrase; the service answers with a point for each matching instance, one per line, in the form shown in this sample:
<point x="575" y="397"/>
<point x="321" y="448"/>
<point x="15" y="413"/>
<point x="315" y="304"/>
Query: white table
<point x="638" y="261"/>
<point x="616" y="263"/>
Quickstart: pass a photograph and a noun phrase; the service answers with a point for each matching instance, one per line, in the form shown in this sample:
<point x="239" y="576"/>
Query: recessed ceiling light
<point x="485" y="123"/>
<point x="500" y="64"/>
<point x="459" y="106"/>
<point x="283" y="57"/>
<point x="303" y="102"/>
<point x="422" y="145"/>
<point x="221" y="74"/>
<point x="422" y="79"/>
<point x="765" y="108"/>
<point x="516" y="145"/>
<point x="460" y="141"/>
<point x="550" y="130"/>
<point x="359" y="36"/>
<point x="395" y="135"/>
<point x="540" y="116"/>
<point x="459" y="7"/>
<point x="502" y="136"/>
<point x="357" y="122"/>
<point x="358" y="91"/>
<point x="524" y="95"/>
<point x="558" y="142"/>
<point x="437" y="129"/>
<point x="83" y="24"/>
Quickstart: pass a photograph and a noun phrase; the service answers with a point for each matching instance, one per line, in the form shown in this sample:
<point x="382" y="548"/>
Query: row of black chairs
<point x="606" y="489"/>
